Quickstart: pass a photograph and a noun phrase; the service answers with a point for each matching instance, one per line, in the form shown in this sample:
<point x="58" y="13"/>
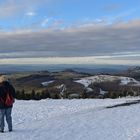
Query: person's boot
<point x="2" y="131"/>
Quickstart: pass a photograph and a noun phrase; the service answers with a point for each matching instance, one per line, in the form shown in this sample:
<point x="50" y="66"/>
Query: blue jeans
<point x="5" y="113"/>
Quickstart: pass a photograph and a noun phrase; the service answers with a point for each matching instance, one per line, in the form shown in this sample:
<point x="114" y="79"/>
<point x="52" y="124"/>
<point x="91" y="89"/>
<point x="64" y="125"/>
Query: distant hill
<point x="112" y="83"/>
<point x="131" y="72"/>
<point x="91" y="69"/>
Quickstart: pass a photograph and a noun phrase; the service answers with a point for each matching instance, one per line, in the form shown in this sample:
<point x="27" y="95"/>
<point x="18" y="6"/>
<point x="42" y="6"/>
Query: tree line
<point x="44" y="94"/>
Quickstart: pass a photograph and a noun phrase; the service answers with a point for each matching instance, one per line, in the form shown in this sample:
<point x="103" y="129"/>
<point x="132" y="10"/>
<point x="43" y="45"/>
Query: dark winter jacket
<point x="6" y="86"/>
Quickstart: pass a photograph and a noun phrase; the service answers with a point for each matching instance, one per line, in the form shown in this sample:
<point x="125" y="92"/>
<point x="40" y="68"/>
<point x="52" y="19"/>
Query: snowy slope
<point x="74" y="119"/>
<point x="107" y="78"/>
<point x="47" y="83"/>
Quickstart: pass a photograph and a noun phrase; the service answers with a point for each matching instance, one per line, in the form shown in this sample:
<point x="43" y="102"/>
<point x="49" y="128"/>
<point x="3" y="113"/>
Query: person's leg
<point x="2" y="113"/>
<point x="9" y="118"/>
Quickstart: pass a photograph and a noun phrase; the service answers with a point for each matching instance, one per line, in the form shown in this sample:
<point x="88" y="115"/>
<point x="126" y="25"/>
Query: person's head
<point x="3" y="78"/>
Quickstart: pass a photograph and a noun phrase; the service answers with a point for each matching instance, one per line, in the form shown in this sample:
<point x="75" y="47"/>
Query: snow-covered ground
<point x="83" y="119"/>
<point x="107" y="78"/>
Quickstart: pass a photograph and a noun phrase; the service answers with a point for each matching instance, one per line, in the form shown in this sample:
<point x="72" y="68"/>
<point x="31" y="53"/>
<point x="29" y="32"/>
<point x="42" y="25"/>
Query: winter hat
<point x="3" y="78"/>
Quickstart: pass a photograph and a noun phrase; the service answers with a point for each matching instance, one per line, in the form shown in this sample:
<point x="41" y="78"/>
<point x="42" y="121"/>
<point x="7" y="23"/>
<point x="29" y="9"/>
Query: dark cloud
<point x="84" y="41"/>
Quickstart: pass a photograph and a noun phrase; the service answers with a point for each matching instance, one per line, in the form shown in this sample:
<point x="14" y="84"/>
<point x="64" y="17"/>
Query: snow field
<point x="84" y="119"/>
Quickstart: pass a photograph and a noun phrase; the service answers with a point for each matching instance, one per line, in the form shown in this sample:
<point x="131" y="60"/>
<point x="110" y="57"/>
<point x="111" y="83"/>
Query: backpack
<point x="9" y="100"/>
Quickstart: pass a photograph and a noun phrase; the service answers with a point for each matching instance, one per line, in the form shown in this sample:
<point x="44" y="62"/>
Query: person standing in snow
<point x="7" y="95"/>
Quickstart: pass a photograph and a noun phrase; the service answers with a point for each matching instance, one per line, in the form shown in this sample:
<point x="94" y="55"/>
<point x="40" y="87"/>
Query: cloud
<point x="8" y="9"/>
<point x="13" y="8"/>
<point x="102" y="42"/>
<point x="30" y="14"/>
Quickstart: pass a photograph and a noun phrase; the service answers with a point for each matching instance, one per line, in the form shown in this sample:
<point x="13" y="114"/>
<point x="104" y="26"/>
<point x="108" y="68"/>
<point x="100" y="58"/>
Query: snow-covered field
<point x="107" y="78"/>
<point x="85" y="119"/>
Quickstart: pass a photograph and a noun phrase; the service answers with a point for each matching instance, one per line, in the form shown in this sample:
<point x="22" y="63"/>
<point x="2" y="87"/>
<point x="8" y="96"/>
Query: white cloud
<point x="30" y="14"/>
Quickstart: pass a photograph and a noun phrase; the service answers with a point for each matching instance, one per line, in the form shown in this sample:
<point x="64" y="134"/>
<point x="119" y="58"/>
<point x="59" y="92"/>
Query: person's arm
<point x="13" y="91"/>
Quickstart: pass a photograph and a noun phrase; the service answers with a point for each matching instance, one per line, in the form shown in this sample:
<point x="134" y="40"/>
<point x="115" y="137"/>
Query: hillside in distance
<point x="91" y="69"/>
<point x="71" y="84"/>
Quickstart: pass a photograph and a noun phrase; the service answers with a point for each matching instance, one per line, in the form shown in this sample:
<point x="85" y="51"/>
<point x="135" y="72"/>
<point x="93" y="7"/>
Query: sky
<point x="70" y="32"/>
